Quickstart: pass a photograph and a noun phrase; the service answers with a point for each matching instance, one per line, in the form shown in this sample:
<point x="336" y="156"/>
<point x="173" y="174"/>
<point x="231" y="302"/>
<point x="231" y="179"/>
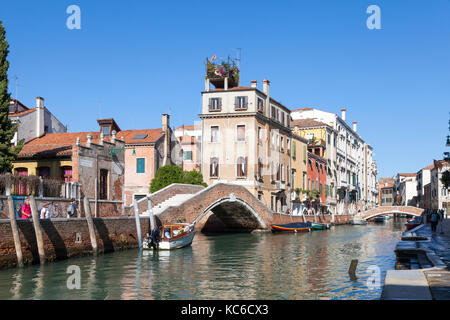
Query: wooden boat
<point x="173" y="236"/>
<point x="292" y="227"/>
<point x="414" y="222"/>
<point x="319" y="226"/>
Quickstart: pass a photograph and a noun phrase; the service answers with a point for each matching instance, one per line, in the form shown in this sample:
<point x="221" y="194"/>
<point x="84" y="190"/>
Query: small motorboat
<point x="320" y="226"/>
<point x="387" y="218"/>
<point x="358" y="222"/>
<point x="292" y="227"/>
<point x="414" y="222"/>
<point x="172" y="236"/>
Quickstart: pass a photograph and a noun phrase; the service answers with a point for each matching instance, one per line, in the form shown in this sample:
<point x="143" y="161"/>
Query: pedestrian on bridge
<point x="434" y="219"/>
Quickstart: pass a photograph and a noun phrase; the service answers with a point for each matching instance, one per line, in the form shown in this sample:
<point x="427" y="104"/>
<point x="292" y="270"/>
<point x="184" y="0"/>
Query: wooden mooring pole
<point x="37" y="229"/>
<point x="138" y="223"/>
<point x="15" y="231"/>
<point x="90" y="223"/>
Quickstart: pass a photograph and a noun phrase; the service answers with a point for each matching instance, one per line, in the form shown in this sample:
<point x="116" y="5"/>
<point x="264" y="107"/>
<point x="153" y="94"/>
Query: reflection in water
<point x="310" y="265"/>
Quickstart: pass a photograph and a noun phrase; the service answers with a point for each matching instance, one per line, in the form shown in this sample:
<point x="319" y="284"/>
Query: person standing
<point x="26" y="209"/>
<point x="440" y="221"/>
<point x="434" y="219"/>
<point x="45" y="213"/>
<point x="72" y="210"/>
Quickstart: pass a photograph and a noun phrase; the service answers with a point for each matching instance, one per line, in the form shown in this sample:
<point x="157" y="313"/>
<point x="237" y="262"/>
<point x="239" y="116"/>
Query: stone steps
<point x="175" y="201"/>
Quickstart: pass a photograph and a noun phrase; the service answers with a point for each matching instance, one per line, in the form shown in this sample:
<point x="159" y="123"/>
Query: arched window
<point x="241" y="167"/>
<point x="214" y="168"/>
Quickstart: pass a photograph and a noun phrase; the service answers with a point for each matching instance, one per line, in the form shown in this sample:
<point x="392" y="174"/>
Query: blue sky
<point x="133" y="60"/>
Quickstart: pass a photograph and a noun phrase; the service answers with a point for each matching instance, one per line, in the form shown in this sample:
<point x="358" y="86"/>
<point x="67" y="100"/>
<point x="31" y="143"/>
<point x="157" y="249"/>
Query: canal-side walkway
<point x="426" y="273"/>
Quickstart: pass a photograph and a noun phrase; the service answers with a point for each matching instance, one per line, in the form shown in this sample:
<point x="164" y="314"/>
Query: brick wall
<point x="60" y="238"/>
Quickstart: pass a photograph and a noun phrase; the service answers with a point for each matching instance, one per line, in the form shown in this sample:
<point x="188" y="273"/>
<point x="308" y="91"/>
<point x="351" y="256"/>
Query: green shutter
<point x="140" y="165"/>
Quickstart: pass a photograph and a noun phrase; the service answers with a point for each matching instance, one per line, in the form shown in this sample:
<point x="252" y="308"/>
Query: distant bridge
<point x="379" y="211"/>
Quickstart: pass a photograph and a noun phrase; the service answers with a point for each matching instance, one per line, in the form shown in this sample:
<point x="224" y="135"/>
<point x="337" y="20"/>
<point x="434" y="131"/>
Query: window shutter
<point x="245" y="166"/>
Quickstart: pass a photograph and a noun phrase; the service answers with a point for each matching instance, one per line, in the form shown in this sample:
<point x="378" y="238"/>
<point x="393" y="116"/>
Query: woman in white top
<point x="45" y="213"/>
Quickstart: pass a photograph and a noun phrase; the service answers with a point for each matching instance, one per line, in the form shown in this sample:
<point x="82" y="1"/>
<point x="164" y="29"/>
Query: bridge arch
<point x="235" y="213"/>
<point x="408" y="210"/>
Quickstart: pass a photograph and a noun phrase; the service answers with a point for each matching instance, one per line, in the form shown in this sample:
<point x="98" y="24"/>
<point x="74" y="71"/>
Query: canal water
<point x="312" y="265"/>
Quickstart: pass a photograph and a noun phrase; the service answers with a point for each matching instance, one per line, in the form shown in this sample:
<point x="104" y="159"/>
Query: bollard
<point x="138" y="223"/>
<point x="150" y="214"/>
<point x="352" y="269"/>
<point x="37" y="230"/>
<point x="90" y="222"/>
<point x="15" y="231"/>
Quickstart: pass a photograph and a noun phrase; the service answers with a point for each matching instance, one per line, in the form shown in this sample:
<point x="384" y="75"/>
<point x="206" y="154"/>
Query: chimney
<point x="355" y="125"/>
<point x="343" y="114"/>
<point x="207" y="86"/>
<point x="166" y="132"/>
<point x="39" y="117"/>
<point x="102" y="137"/>
<point x="266" y="86"/>
<point x="254" y="83"/>
<point x="89" y="140"/>
<point x="225" y="83"/>
<point x="113" y="136"/>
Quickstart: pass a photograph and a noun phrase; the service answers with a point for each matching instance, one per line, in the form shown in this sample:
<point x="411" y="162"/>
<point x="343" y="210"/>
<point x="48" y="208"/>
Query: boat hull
<point x="359" y="222"/>
<point x="173" y="243"/>
<point x="320" y="226"/>
<point x="291" y="227"/>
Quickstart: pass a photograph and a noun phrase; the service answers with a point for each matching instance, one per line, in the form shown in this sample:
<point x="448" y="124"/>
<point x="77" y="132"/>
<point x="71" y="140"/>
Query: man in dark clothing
<point x="155" y="238"/>
<point x="434" y="219"/>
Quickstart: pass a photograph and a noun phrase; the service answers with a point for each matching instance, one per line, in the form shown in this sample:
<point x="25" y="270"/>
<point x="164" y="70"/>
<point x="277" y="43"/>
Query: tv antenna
<point x="238" y="57"/>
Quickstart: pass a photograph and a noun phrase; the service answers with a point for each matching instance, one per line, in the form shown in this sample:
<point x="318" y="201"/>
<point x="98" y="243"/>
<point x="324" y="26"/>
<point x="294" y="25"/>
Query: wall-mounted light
<point x="134" y="152"/>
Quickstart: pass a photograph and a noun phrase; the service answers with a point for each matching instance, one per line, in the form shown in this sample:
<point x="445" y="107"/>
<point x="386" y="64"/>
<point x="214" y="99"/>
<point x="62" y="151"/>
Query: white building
<point x="423" y="179"/>
<point x="354" y="170"/>
<point x="440" y="197"/>
<point x="405" y="189"/>
<point x="33" y="123"/>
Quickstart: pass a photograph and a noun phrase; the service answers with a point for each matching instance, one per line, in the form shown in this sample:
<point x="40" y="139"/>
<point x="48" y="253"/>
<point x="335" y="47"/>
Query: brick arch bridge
<point x="221" y="206"/>
<point x="378" y="211"/>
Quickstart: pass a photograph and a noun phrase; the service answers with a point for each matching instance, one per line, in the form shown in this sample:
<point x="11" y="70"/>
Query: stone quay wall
<point x="66" y="238"/>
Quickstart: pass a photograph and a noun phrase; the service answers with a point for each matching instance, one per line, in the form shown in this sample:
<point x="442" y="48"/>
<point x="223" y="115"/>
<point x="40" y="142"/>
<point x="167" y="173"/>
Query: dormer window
<point x="105" y="131"/>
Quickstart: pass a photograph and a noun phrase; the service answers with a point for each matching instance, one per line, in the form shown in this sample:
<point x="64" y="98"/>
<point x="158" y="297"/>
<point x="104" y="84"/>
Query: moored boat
<point x="320" y="226"/>
<point x="379" y="219"/>
<point x="172" y="236"/>
<point x="358" y="222"/>
<point x="292" y="227"/>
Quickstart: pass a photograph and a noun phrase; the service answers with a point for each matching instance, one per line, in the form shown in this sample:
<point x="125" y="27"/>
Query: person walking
<point x="26" y="209"/>
<point x="434" y="219"/>
<point x="440" y="221"/>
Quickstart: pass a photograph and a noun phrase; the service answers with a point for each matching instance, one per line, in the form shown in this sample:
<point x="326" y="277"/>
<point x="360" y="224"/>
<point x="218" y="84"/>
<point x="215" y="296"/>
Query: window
<point x="260" y="105"/>
<point x="215" y="134"/>
<point x="241" y="167"/>
<point x="282" y="172"/>
<point x="187" y="155"/>
<point x="66" y="174"/>
<point x="294" y="149"/>
<point x="215" y="104"/>
<point x="282" y="143"/>
<point x="43" y="172"/>
<point x="274" y="113"/>
<point x="260" y="138"/>
<point x="105" y="131"/>
<point x="260" y="169"/>
<point x="278" y="172"/>
<point x="214" y="168"/>
<point x="103" y="190"/>
<point x="282" y="118"/>
<point x="310" y="136"/>
<point x="140" y="165"/>
<point x="241" y="103"/>
<point x="241" y="133"/>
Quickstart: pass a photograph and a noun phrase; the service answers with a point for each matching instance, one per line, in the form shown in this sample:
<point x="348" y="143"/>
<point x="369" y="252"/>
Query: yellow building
<point x="299" y="159"/>
<point x="321" y="141"/>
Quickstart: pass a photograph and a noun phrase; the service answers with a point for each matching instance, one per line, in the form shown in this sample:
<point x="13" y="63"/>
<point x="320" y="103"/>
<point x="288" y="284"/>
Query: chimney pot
<point x="266" y="86"/>
<point x="40" y="117"/>
<point x="225" y="84"/>
<point x="39" y="102"/>
<point x="343" y="111"/>
<point x="254" y="83"/>
<point x="355" y="125"/>
<point x="207" y="86"/>
<point x="89" y="140"/>
<point x="113" y="136"/>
